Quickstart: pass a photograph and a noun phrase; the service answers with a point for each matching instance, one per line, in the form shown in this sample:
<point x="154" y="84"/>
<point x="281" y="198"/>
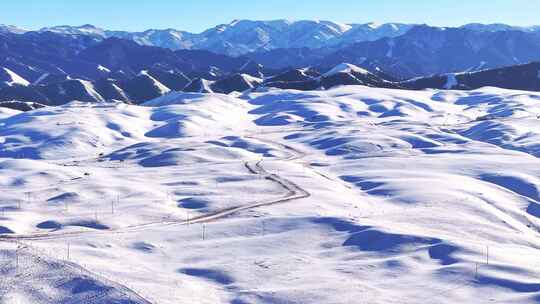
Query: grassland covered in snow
<point x="352" y="195"/>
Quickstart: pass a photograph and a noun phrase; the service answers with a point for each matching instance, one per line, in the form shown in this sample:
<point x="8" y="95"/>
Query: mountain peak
<point x="88" y="26"/>
<point x="85" y="29"/>
<point x="6" y="28"/>
<point x="374" y="25"/>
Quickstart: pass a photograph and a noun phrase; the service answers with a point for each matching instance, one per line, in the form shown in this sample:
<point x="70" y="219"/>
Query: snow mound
<point x="7" y="112"/>
<point x="154" y="155"/>
<point x="192" y="114"/>
<point x="345" y="68"/>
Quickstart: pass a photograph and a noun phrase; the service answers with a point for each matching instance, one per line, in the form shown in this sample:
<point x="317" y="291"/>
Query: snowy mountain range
<point x="243" y="36"/>
<point x="401" y="50"/>
<point x="59" y="64"/>
<point x="246" y="36"/>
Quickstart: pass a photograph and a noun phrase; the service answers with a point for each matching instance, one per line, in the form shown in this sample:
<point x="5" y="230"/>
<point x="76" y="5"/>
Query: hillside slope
<point x="280" y="196"/>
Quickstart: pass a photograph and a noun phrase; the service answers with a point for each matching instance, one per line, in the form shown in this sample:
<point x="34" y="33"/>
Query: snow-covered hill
<point x="349" y="195"/>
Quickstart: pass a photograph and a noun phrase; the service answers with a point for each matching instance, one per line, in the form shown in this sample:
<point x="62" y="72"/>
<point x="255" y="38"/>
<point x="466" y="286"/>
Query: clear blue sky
<point x="197" y="15"/>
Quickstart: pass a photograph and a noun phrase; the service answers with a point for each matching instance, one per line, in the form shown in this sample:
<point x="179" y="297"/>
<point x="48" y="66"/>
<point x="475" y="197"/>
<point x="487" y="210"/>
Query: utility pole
<point x="204" y="232"/>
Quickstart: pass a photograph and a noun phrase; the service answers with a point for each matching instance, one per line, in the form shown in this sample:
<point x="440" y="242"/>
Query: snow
<point x="340" y="27"/>
<point x="340" y="196"/>
<point x="451" y="81"/>
<point x="245" y="36"/>
<point x="345" y="68"/>
<point x="497" y="27"/>
<point x="89" y="88"/>
<point x="245" y="65"/>
<point x="12" y="29"/>
<point x="391" y="45"/>
<point x="206" y="85"/>
<point x="158" y="85"/>
<point x="5" y="112"/>
<point x="15" y="79"/>
<point x="103" y="69"/>
<point x="251" y="79"/>
<point x="86" y="29"/>
<point x="120" y="91"/>
<point x="41" y="78"/>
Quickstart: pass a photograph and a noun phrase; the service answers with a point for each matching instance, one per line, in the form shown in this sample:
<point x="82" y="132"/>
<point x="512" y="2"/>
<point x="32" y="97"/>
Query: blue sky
<point x="197" y="15"/>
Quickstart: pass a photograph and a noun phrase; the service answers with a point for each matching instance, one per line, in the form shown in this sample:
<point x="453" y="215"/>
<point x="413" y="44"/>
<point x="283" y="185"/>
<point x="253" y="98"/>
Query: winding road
<point x="292" y="192"/>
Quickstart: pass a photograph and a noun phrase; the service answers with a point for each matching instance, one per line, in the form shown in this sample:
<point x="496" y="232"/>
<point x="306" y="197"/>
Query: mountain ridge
<point x="231" y="38"/>
<point x="267" y="34"/>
